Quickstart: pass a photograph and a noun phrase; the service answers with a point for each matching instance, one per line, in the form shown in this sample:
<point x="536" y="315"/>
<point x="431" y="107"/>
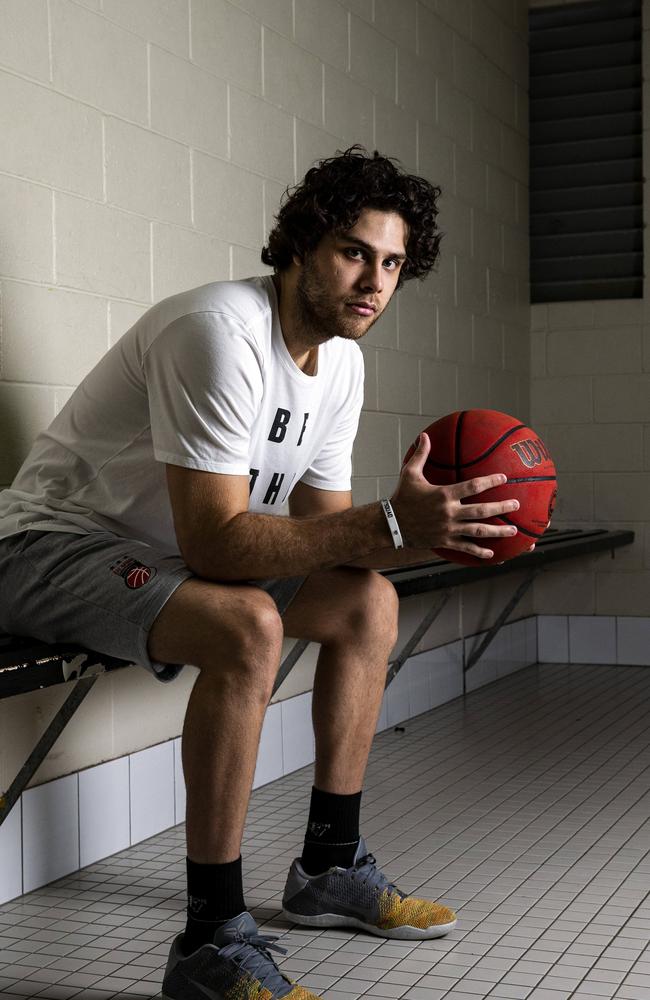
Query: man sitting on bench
<point x="144" y="524"/>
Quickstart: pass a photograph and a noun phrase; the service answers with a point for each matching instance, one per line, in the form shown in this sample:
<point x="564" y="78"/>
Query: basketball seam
<point x="496" y="444"/>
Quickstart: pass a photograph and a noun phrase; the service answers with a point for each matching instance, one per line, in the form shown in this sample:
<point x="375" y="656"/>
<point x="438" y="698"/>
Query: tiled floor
<point x="527" y="807"/>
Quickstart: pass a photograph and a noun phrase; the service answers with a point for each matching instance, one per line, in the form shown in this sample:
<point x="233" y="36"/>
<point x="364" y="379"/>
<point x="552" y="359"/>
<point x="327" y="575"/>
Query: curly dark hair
<point x="331" y="197"/>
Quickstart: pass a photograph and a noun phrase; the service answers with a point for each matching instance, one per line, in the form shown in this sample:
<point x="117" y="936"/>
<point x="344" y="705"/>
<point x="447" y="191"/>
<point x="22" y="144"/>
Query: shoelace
<point x="370" y="875"/>
<point x="252" y="954"/>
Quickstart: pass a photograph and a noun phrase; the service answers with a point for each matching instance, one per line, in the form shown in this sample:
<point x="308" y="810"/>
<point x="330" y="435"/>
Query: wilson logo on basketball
<point x="531" y="452"/>
<point x="135" y="574"/>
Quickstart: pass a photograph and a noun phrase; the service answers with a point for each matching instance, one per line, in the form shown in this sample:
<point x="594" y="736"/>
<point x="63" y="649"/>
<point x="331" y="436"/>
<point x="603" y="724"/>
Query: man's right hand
<point x="434" y="517"/>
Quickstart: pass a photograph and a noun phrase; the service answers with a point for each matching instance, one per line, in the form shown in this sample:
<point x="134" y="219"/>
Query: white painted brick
<point x="384" y="331"/>
<point x="49" y="138"/>
<point x="624" y="593"/>
<point x="515" y="154"/>
<point x="502" y="298"/>
<point x="454" y="332"/>
<point x="619" y="312"/>
<point x="457" y="13"/>
<point x="516" y="251"/>
<point x="98" y="62"/>
<point x="401" y="29"/>
<point x="487" y="239"/>
<point x="245" y="263"/>
<point x="470" y="178"/>
<point x="147" y="173"/>
<point x="228" y="42"/>
<point x="101" y="249"/>
<point x="592" y="639"/>
<point x="364" y="491"/>
<point x="501" y="197"/>
<point x="416" y="321"/>
<point x="455" y="220"/>
<point x="486" y="30"/>
<point x="471" y="286"/>
<point x="26" y="248"/>
<point x="188" y="104"/>
<point x="417" y="87"/>
<point x="183" y="258"/>
<point x="501" y="96"/>
<point x="227" y="201"/>
<point x="486" y="137"/>
<point x="621" y="496"/>
<point x="473" y="388"/>
<point x="470" y="69"/>
<point x="503" y="392"/>
<point x="348" y="108"/>
<point x="276" y="14"/>
<point x="322" y="28"/>
<point x="514" y="56"/>
<point x="539" y="317"/>
<point x="376" y="448"/>
<point x="398" y="382"/>
<point x="435" y="42"/>
<point x="26" y="411"/>
<point x="570" y="315"/>
<point x="622" y="398"/>
<point x="24" y="37"/>
<point x="593" y="352"/>
<point x="396" y="132"/>
<point x="516" y="349"/>
<point x="362" y="8"/>
<point x="597" y="448"/>
<point x="487" y="342"/>
<point x="438" y="387"/>
<point x="313" y="144"/>
<point x="164" y="22"/>
<point x="373" y="59"/>
<point x="559" y="589"/>
<point x="50" y="335"/>
<point x="261" y="136"/>
<point x="563" y="400"/>
<point x="575" y="498"/>
<point x="292" y="78"/>
<point x="436" y="157"/>
<point x="454" y="113"/>
<point x="121" y="317"/>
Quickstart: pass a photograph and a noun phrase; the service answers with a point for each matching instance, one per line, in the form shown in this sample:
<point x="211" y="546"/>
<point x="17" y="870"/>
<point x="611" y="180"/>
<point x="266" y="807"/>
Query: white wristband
<point x="396" y="534"/>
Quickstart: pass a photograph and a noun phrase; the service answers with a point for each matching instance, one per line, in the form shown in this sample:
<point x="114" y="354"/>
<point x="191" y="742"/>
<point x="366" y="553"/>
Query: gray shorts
<point x="99" y="590"/>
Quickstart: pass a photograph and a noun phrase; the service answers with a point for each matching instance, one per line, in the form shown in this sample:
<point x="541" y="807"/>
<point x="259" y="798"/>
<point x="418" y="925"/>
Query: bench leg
<point x="475" y="656"/>
<point x="410" y="645"/>
<point x="44" y="745"/>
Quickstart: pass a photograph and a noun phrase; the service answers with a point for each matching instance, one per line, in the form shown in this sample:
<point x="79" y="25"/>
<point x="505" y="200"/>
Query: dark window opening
<point x="586" y="170"/>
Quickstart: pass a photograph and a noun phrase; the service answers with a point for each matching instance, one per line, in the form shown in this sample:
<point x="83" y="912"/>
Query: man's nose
<point x="372" y="278"/>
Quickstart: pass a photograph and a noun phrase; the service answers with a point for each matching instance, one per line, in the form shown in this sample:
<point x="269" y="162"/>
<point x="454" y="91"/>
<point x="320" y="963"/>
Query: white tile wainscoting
<point x="63" y="825"/>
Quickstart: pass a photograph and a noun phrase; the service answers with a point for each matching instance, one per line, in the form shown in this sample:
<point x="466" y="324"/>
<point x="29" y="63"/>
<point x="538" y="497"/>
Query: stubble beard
<point x="321" y="317"/>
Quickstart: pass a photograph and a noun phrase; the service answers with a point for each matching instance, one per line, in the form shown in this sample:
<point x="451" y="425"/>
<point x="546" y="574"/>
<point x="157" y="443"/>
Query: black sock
<point x="215" y="894"/>
<point x="332" y="834"/>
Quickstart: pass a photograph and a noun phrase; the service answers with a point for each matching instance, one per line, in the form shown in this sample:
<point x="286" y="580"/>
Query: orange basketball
<point x="471" y="443"/>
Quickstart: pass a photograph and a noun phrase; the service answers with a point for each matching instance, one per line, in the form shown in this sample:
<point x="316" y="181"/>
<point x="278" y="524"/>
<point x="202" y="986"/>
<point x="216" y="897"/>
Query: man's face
<point x="345" y="284"/>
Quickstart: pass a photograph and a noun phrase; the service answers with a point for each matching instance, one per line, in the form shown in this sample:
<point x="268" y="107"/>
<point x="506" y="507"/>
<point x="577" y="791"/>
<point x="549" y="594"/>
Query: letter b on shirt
<point x="280" y="424"/>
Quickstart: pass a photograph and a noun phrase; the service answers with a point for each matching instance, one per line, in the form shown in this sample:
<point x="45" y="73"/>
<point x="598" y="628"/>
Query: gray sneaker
<point x="236" y="966"/>
<point x="361" y="896"/>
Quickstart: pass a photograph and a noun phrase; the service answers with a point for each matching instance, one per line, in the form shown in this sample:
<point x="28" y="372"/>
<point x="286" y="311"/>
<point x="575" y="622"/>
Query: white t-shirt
<point x="203" y="380"/>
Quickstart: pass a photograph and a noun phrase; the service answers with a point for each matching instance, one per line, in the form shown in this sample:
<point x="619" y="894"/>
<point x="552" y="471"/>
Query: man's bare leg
<point x="353" y="614"/>
<point x="234" y="635"/>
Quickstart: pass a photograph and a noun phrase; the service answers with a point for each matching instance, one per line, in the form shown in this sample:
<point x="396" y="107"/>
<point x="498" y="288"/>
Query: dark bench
<point x="28" y="665"/>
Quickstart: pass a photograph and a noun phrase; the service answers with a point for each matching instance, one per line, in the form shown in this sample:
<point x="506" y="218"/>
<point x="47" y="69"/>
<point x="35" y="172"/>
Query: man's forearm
<point x="258" y="546"/>
<point x="391" y="558"/>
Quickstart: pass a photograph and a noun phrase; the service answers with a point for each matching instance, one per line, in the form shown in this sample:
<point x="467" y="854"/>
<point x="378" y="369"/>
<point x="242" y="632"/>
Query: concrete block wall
<point x="145" y="148"/>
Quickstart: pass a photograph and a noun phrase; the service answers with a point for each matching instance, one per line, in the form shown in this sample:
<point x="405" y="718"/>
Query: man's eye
<point x="391" y="264"/>
<point x="351" y="251"/>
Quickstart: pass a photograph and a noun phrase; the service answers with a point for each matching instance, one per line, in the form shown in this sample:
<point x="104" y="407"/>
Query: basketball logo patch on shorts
<point x="134" y="573"/>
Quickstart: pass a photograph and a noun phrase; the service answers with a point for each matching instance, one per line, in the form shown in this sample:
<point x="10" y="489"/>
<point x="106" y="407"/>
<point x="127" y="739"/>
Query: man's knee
<point x="219" y="629"/>
<point x="374" y="609"/>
